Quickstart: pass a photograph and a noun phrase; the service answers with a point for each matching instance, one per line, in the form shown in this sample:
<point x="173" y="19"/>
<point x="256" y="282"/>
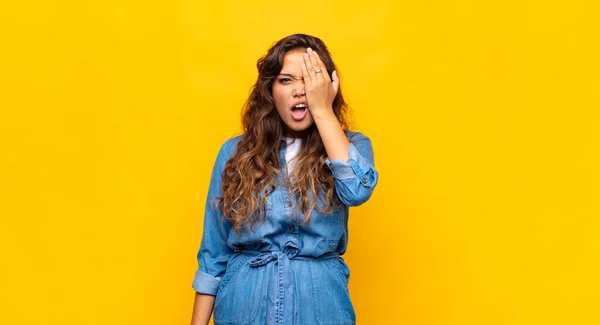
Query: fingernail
<point x="308" y="49"/>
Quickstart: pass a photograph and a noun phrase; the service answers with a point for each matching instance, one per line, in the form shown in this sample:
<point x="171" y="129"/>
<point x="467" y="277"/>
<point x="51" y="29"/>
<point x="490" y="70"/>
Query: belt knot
<point x="263" y="259"/>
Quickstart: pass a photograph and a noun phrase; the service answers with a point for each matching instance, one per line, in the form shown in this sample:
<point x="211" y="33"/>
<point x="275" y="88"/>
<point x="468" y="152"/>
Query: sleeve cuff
<point x="356" y="165"/>
<point x="206" y="283"/>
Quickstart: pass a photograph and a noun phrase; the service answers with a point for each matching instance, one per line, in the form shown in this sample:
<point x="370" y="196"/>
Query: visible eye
<point x="284" y="80"/>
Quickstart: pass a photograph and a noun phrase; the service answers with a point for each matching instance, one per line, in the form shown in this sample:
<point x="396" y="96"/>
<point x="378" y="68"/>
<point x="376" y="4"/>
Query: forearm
<point x="203" y="307"/>
<point x="333" y="136"/>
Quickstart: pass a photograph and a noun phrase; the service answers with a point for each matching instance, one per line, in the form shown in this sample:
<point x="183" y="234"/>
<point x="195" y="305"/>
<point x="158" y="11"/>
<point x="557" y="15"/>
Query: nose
<point x="299" y="88"/>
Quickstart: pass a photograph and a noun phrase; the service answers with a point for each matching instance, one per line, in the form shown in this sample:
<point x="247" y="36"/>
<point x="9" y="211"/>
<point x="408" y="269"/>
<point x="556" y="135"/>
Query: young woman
<point x="276" y="219"/>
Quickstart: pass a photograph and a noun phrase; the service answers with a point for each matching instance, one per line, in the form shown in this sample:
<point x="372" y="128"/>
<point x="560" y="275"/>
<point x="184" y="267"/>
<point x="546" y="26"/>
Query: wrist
<point x="322" y="113"/>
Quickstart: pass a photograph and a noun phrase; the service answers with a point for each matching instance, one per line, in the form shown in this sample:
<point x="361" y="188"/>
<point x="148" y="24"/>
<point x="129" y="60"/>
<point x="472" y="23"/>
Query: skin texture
<point x="203" y="307"/>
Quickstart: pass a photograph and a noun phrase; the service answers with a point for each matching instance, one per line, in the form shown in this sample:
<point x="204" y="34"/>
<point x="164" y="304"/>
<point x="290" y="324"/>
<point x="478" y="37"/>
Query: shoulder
<point x="228" y="147"/>
<point x="357" y="137"/>
<point x="360" y="142"/>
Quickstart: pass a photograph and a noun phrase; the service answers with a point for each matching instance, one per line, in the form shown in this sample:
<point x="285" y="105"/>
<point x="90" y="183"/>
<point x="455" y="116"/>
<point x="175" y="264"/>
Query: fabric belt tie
<point x="285" y="278"/>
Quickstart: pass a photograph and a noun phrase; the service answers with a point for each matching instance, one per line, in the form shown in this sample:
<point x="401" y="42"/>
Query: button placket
<point x="288" y="202"/>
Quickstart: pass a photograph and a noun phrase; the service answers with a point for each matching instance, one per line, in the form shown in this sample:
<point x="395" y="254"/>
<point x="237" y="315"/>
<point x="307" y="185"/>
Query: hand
<point x="320" y="89"/>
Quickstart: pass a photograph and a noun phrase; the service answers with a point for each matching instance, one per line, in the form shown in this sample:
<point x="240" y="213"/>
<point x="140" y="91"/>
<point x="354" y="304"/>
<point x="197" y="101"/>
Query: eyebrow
<point x="289" y="75"/>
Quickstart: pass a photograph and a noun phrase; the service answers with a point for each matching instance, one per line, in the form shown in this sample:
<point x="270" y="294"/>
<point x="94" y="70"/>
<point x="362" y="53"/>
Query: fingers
<point x="305" y="74"/>
<point x="321" y="88"/>
<point x="310" y="70"/>
<point x="318" y="64"/>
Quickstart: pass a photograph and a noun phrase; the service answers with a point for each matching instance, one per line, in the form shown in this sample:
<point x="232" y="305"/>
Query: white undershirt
<point x="293" y="147"/>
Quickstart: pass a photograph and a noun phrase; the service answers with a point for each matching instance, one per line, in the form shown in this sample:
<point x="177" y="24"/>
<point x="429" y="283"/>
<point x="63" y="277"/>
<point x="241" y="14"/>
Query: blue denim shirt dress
<point x="284" y="272"/>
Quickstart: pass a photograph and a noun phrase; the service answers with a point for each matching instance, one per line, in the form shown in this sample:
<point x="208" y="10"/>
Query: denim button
<point x="290" y="203"/>
<point x="365" y="180"/>
<point x="292" y="228"/>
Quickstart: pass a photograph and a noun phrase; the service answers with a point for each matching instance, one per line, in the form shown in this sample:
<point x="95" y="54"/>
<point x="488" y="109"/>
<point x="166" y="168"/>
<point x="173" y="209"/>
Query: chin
<point x="304" y="126"/>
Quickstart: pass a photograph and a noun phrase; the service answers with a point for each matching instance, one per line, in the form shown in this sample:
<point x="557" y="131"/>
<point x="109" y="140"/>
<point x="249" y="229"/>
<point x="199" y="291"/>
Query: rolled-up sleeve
<point x="214" y="252"/>
<point x="356" y="178"/>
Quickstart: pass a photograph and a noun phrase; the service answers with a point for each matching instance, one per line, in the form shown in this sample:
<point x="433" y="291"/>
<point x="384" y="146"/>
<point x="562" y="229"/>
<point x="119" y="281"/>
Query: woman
<point x="270" y="251"/>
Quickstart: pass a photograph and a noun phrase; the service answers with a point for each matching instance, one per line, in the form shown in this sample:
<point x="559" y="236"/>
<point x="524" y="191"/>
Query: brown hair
<point x="253" y="172"/>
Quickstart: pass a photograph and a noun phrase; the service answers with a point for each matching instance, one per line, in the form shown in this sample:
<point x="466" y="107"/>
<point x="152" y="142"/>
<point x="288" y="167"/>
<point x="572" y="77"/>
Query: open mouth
<point x="299" y="112"/>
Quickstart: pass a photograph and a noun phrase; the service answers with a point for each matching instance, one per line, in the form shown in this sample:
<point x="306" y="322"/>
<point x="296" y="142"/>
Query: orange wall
<point x="484" y="118"/>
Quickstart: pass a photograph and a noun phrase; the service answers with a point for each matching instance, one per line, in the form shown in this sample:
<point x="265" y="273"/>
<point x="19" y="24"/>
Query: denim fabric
<point x="284" y="272"/>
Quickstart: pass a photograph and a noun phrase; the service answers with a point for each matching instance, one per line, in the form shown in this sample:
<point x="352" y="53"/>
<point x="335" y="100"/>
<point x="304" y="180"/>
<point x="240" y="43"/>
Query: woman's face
<point x="289" y="95"/>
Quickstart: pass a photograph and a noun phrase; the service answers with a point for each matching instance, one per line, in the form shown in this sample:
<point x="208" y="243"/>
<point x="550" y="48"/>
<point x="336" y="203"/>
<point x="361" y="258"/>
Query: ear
<point x="335" y="81"/>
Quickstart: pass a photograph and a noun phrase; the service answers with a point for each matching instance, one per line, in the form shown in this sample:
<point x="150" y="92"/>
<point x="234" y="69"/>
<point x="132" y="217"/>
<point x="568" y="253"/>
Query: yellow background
<point x="483" y="114"/>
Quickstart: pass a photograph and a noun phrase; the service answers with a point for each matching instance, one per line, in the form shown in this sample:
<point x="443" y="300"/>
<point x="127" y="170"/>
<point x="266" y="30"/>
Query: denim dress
<point x="284" y="272"/>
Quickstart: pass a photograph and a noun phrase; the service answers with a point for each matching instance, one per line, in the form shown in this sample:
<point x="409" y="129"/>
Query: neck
<point x="297" y="134"/>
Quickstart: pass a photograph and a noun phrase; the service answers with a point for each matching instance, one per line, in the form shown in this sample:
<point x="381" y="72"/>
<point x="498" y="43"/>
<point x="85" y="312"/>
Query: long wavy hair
<point x="254" y="170"/>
